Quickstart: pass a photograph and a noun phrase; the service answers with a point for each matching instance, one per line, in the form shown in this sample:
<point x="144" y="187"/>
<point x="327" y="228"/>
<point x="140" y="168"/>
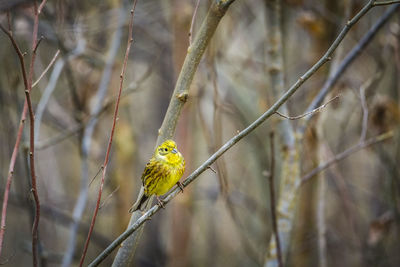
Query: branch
<point x="192" y="60"/>
<point x="319" y="109"/>
<point x="33" y="178"/>
<point x="47" y="68"/>
<point x="346" y="153"/>
<point x="363" y="88"/>
<point x="384" y="3"/>
<point x="276" y="69"/>
<point x="350" y="57"/>
<point x="272" y="201"/>
<point x="27" y="78"/>
<point x="122" y="75"/>
<point x="146" y="216"/>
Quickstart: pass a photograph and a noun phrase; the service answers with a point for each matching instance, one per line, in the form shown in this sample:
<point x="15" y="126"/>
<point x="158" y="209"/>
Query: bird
<point x="162" y="172"/>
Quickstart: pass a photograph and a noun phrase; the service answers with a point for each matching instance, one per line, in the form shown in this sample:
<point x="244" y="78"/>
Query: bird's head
<point x="168" y="152"/>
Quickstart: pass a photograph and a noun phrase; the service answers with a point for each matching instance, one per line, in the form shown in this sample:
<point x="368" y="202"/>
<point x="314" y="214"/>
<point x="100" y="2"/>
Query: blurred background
<point x="346" y="215"/>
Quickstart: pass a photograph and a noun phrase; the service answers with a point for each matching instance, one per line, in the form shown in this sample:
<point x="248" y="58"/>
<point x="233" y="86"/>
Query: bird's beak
<point x="174" y="151"/>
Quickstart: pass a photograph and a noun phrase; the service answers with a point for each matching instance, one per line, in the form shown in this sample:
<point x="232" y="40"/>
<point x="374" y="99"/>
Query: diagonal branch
<point x="351" y="150"/>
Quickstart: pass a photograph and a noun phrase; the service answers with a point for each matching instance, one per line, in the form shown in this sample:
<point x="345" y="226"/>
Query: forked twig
<point x="316" y="110"/>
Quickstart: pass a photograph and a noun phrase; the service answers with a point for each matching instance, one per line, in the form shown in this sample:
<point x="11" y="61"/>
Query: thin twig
<point x="364" y="87"/>
<point x="385" y="3"/>
<point x="192" y="22"/>
<point x="365" y="114"/>
<point x="109" y="197"/>
<point x="94" y="177"/>
<point x="122" y="75"/>
<point x="9" y="179"/>
<point x="319" y="109"/>
<point x="346" y="153"/>
<point x="272" y="201"/>
<point x="212" y="169"/>
<point x="47" y="68"/>
<point x="145" y="217"/>
<point x="37" y="44"/>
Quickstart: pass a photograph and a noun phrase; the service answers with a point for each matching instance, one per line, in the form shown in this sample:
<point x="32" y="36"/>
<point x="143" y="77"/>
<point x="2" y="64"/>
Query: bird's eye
<point x="165" y="149"/>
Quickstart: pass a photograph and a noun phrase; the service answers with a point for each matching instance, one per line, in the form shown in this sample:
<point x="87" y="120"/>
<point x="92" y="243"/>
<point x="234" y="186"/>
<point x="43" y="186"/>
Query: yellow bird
<point x="161" y="173"/>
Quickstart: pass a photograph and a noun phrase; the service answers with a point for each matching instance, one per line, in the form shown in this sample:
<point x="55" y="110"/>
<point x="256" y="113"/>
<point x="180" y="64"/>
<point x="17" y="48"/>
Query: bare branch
<point x="319" y="109"/>
<point x="385" y="3"/>
<point x="346" y="153"/>
<point x="47" y="68"/>
<point x="109" y="197"/>
<point x="273" y="202"/>
<point x="37" y="44"/>
<point x="364" y="87"/>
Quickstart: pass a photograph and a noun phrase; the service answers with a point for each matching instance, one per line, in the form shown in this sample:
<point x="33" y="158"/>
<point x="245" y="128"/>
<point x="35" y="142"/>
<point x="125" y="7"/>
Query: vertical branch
<point x="272" y="201"/>
<point x="35" y="44"/>
<point x="27" y="78"/>
<point x="33" y="178"/>
<point x="104" y="167"/>
<point x="192" y="60"/>
<point x="321" y="223"/>
<point x="276" y="66"/>
<point x="290" y="163"/>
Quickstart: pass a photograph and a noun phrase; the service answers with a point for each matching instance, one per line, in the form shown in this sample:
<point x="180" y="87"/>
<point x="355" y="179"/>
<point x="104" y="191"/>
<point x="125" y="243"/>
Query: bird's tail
<point x="141" y="200"/>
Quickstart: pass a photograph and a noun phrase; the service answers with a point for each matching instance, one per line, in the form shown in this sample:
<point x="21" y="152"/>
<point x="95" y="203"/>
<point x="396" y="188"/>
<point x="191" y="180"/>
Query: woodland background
<point x="346" y="215"/>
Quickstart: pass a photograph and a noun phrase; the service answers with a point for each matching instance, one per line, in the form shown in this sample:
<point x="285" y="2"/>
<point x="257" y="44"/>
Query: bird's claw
<point x="160" y="203"/>
<point x="180" y="185"/>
